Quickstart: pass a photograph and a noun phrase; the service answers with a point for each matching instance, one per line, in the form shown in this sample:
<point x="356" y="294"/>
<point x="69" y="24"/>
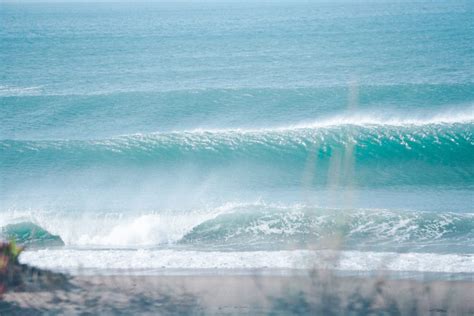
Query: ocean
<point x="239" y="135"/>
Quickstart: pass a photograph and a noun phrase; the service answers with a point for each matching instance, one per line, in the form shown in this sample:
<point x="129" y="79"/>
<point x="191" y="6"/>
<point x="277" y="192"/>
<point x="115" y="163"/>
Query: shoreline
<point x="418" y="276"/>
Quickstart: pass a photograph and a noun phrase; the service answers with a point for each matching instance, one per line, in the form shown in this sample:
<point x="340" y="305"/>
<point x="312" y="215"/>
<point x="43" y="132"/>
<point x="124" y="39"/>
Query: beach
<point x="224" y="294"/>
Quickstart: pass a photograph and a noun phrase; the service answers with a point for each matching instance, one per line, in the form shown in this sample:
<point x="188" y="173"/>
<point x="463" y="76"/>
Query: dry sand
<point x="313" y="294"/>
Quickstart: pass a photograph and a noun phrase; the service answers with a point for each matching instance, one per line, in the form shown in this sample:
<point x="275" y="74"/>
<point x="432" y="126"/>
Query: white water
<point x="155" y="261"/>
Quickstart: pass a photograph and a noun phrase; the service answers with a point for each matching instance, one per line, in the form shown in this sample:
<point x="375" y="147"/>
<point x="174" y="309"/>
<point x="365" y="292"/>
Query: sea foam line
<point x="8" y="91"/>
<point x="75" y="260"/>
<point x="465" y="116"/>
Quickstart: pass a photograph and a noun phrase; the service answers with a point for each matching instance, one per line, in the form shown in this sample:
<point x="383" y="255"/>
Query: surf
<point x="250" y="226"/>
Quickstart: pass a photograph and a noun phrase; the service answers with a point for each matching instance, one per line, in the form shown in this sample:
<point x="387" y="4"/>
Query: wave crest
<point x="259" y="226"/>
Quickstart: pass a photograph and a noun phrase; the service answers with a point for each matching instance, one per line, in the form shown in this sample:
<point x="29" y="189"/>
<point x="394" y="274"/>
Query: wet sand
<point x="317" y="293"/>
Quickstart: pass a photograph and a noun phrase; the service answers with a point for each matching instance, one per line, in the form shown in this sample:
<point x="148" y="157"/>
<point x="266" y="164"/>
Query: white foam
<point x="75" y="260"/>
<point x="389" y="120"/>
<point x="145" y="230"/>
<point x="359" y="119"/>
<point x="7" y="91"/>
<point x="119" y="230"/>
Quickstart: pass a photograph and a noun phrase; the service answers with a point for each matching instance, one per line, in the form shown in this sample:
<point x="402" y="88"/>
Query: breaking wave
<point x="267" y="227"/>
<point x="432" y="153"/>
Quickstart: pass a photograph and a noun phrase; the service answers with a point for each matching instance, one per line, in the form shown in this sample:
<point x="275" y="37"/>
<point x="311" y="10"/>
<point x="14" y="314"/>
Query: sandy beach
<point x="317" y="293"/>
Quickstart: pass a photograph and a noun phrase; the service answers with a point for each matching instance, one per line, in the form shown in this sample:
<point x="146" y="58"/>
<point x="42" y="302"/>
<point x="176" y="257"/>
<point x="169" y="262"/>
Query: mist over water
<point x="240" y="129"/>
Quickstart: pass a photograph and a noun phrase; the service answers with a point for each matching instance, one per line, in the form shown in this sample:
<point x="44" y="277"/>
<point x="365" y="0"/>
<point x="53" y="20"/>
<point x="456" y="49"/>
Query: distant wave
<point x="7" y="91"/>
<point x="464" y="116"/>
<point x="449" y="117"/>
<point x="230" y="110"/>
<point x="414" y="90"/>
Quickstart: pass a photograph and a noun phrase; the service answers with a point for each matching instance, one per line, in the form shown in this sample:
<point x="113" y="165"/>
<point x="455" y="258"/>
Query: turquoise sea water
<point x="227" y="128"/>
